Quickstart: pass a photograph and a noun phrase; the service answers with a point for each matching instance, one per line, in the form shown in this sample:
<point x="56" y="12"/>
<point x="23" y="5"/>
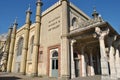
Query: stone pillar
<point x="91" y="62"/>
<point x="5" y="55"/>
<point x="117" y="62"/>
<point x="11" y="51"/>
<point x="104" y="62"/>
<point x="9" y="39"/>
<point x="36" y="39"/>
<point x="112" y="62"/>
<point x="83" y="62"/>
<point x="25" y="43"/>
<point x="72" y="60"/>
<point x="65" y="57"/>
<point x="111" y="56"/>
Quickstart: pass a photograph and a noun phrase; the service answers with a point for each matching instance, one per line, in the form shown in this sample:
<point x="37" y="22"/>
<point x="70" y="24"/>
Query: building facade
<point x="3" y="39"/>
<point x="64" y="42"/>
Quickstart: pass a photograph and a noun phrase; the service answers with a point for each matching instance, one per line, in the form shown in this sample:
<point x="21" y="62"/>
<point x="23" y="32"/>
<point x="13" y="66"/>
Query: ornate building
<point x="3" y="38"/>
<point x="64" y="42"/>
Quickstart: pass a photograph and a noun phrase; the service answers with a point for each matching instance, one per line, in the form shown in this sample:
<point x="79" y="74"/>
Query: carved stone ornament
<point x="100" y="34"/>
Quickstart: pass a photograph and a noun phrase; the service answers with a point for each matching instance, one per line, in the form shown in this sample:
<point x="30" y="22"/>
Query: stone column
<point x="25" y="43"/>
<point x="11" y="51"/>
<point x="5" y="55"/>
<point x="112" y="62"/>
<point x="83" y="62"/>
<point x="36" y="39"/>
<point x="8" y="39"/>
<point x="91" y="62"/>
<point x="104" y="63"/>
<point x="65" y="57"/>
<point x="117" y="62"/>
<point x="111" y="56"/>
<point x="72" y="60"/>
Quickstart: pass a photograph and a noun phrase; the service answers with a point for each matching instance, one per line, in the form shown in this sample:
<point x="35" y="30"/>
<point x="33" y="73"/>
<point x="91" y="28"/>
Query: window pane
<point x="55" y="54"/>
<point x="20" y="46"/>
<point x="32" y="44"/>
<point x="52" y="64"/>
<point x="56" y="64"/>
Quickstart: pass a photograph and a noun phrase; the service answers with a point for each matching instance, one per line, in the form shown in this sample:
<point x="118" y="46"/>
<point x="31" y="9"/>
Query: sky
<point x="10" y="9"/>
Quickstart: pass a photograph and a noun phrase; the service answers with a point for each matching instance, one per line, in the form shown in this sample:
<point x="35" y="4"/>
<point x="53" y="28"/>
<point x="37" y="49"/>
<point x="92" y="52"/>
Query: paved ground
<point x="13" y="76"/>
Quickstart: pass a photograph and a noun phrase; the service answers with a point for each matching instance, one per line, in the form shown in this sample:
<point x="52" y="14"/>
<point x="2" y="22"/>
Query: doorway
<point x="76" y="63"/>
<point x="54" y="63"/>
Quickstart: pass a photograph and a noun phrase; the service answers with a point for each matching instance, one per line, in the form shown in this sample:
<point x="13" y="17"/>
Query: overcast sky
<point x="10" y="9"/>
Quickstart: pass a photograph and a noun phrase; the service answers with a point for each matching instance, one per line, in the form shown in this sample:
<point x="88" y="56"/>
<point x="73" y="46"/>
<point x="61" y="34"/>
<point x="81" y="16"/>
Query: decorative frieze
<point x="86" y="23"/>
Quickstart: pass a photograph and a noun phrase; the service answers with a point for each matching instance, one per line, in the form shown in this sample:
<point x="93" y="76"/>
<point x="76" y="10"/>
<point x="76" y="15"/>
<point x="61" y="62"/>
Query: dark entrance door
<point x="96" y="63"/>
<point x="76" y="62"/>
<point x="77" y="67"/>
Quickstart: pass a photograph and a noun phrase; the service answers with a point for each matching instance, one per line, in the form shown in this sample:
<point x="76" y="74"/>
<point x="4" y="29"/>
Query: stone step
<point x="88" y="78"/>
<point x="15" y="76"/>
<point x="96" y="77"/>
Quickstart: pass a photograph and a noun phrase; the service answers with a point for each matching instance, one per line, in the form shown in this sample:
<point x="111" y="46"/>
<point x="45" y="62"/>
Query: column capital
<point x="100" y="34"/>
<point x="73" y="41"/>
<point x="111" y="40"/>
<point x="116" y="43"/>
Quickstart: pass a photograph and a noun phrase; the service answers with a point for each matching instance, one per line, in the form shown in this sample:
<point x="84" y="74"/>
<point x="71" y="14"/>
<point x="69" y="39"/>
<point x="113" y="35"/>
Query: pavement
<point x="15" y="76"/>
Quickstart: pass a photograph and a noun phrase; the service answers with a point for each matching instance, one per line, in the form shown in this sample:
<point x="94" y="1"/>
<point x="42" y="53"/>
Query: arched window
<point x="55" y="54"/>
<point x="31" y="44"/>
<point x="20" y="46"/>
<point x="74" y="22"/>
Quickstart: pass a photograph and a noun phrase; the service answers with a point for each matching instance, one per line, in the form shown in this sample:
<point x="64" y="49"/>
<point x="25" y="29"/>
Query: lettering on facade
<point x="54" y="23"/>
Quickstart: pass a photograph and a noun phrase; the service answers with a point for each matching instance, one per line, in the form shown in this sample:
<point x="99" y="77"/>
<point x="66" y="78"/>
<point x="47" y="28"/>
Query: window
<point x="32" y="44"/>
<point x="55" y="60"/>
<point x="20" y="46"/>
<point x="55" y="54"/>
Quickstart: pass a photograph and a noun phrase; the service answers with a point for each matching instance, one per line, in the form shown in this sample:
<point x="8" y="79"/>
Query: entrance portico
<point x="90" y="46"/>
<point x="86" y="59"/>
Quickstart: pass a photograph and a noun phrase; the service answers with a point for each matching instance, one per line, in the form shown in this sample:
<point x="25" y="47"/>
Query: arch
<point x="19" y="54"/>
<point x="74" y="22"/>
<point x="54" y="54"/>
<point x="20" y="46"/>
